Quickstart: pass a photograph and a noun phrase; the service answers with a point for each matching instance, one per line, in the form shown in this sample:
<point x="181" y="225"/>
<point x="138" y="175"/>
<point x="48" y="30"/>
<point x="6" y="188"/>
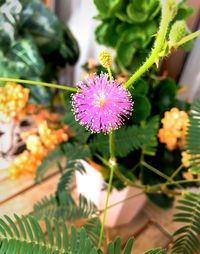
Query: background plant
<point x="130" y="28"/>
<point x="34" y="45"/>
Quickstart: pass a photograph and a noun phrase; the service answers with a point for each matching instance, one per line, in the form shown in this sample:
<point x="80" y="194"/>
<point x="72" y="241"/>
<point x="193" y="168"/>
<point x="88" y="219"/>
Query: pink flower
<point x="101" y="105"/>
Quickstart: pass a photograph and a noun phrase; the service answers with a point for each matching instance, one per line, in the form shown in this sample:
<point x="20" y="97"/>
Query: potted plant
<point x="102" y="105"/>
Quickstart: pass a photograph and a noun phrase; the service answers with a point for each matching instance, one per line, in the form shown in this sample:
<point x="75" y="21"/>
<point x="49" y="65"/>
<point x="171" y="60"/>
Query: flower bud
<point x="178" y="31"/>
<point x="105" y="58"/>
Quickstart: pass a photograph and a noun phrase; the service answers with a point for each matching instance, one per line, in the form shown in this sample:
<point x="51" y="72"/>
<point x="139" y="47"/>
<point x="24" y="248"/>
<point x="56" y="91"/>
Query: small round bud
<point x="178" y="31"/>
<point x="105" y="58"/>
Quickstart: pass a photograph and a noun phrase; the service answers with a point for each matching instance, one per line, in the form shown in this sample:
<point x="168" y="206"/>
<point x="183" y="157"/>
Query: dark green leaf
<point x="142" y="108"/>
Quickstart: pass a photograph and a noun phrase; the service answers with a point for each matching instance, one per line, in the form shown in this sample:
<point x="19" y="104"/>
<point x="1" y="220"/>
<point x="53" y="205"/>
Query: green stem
<point x="109" y="73"/>
<point x="119" y="175"/>
<point x="112" y="168"/>
<point x="158" y="45"/>
<point x="126" y="199"/>
<point x="176" y="172"/>
<point x="158" y="186"/>
<point x="111" y="145"/>
<point x="187" y="38"/>
<point x="127" y="181"/>
<point x="31" y="82"/>
<point x="156" y="171"/>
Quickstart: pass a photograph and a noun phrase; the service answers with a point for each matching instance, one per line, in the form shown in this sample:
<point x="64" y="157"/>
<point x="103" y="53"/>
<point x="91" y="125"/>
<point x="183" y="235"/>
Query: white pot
<point x="8" y="139"/>
<point x="91" y="186"/>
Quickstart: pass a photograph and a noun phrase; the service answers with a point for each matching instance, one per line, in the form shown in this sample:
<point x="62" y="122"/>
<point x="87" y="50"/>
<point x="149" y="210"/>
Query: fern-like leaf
<point x="46" y="162"/>
<point x="28" y="237"/>
<point x="66" y="179"/>
<point x="63" y="206"/>
<point x="80" y="133"/>
<point x="187" y="237"/>
<point x="128" y="139"/>
<point x="156" y="251"/>
<point x="150" y="141"/>
<point x="193" y="138"/>
<point x="115" y="247"/>
<point x="73" y="153"/>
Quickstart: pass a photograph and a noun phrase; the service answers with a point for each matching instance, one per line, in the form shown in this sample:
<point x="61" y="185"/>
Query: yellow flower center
<point x="100" y="101"/>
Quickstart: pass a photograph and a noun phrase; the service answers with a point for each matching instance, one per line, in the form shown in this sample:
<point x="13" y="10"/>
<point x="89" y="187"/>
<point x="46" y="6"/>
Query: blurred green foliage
<point x="34" y="44"/>
<point x="130" y="26"/>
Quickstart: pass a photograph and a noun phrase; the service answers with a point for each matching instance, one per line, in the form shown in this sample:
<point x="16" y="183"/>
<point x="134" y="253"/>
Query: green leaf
<point x="165" y="95"/>
<point x="27" y="58"/>
<point x="150" y="142"/>
<point x="106" y="33"/>
<point x="81" y="135"/>
<point x="128" y="139"/>
<point x="42" y="24"/>
<point x="141" y="109"/>
<point x="46" y="162"/>
<point x="39" y="245"/>
<point x="192" y="139"/>
<point x="125" y="53"/>
<point x="9" y="20"/>
<point x="156" y="251"/>
<point x="140" y="13"/>
<point x="68" y="174"/>
<point x="141" y="87"/>
<point x="186" y="237"/>
<point x="129" y="246"/>
<point x="40" y="95"/>
<point x="108" y="7"/>
<point x="63" y="206"/>
<point x="184" y="11"/>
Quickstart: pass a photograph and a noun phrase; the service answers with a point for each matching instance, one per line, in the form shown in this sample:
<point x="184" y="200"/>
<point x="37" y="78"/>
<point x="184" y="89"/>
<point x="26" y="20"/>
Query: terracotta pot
<point x="93" y="187"/>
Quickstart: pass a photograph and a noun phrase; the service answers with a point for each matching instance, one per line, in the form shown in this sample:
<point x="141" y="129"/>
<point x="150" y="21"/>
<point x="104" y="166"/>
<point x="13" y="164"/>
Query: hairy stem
<point x="187" y="38"/>
<point x="109" y="73"/>
<point x="167" y="13"/>
<point x="126" y="199"/>
<point x="31" y="82"/>
<point x="112" y="168"/>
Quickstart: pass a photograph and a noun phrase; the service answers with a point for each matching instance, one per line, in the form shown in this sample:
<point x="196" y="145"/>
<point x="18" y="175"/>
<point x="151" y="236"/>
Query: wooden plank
<point x="23" y="204"/>
<point x="3" y="175"/>
<point x="162" y="217"/>
<point x="150" y="238"/>
<point x="134" y="228"/>
<point x="10" y="188"/>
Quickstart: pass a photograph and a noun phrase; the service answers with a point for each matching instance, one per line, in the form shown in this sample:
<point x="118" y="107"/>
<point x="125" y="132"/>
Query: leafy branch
<point x="187" y="237"/>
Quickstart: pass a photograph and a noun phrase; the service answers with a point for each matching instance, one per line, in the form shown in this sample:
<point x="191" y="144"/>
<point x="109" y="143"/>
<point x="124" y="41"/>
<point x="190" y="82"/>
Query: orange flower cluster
<point x="13" y="99"/>
<point x="173" y="133"/>
<point x="38" y="145"/>
<point x="185" y="159"/>
<point x="186" y="163"/>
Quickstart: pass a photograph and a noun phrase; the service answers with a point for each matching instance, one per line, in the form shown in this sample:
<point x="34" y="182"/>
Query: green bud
<point x="178" y="31"/>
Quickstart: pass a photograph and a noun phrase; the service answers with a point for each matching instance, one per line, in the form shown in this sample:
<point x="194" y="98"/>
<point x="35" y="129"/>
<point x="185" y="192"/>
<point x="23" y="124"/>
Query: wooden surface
<point x="152" y="227"/>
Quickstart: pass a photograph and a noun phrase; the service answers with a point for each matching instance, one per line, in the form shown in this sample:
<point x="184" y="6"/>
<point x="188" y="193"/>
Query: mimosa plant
<point x="102" y="104"/>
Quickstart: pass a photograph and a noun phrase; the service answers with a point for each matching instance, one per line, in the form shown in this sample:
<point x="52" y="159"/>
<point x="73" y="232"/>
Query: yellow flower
<point x="13" y="98"/>
<point x="173" y="131"/>
<point x="185" y="159"/>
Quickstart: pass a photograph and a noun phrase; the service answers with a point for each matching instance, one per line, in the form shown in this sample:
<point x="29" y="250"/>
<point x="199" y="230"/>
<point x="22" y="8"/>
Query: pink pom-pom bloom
<point x="100" y="104"/>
